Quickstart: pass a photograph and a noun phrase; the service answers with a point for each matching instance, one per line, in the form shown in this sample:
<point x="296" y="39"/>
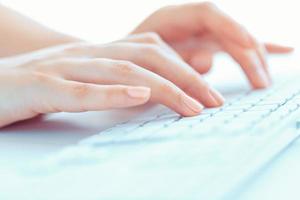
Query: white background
<point x="106" y="20"/>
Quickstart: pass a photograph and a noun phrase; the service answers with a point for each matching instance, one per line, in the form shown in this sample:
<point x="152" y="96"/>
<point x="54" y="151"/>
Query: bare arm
<point x="19" y="34"/>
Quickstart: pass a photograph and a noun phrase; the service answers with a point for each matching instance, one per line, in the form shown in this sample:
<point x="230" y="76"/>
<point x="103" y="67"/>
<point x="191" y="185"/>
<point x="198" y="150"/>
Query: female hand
<point x="198" y="30"/>
<point x="87" y="77"/>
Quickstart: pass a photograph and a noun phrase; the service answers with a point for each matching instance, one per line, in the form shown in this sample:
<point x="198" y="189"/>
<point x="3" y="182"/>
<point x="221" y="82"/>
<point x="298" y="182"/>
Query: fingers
<point x="106" y="71"/>
<point x="261" y="53"/>
<point x="60" y="95"/>
<point x="157" y="60"/>
<point x="151" y="38"/>
<point x="250" y="63"/>
<point x="201" y="61"/>
<point x="236" y="37"/>
<point x="228" y="31"/>
<point x="274" y="48"/>
<point x="180" y="73"/>
<point x="220" y="24"/>
<point x="173" y="69"/>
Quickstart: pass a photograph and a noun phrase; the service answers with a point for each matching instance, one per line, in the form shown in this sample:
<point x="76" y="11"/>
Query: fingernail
<point x="218" y="96"/>
<point x="263" y="80"/>
<point x="139" y="92"/>
<point x="192" y="104"/>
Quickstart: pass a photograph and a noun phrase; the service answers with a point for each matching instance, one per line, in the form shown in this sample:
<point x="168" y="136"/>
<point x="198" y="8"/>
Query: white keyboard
<point x="165" y="156"/>
<point x="250" y="113"/>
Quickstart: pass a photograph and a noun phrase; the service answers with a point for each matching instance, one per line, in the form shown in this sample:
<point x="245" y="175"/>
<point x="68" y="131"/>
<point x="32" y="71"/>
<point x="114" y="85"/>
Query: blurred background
<point x="106" y="20"/>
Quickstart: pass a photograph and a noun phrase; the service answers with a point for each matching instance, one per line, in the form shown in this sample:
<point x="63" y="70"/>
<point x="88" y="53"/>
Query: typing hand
<point x="87" y="77"/>
<point x="198" y="30"/>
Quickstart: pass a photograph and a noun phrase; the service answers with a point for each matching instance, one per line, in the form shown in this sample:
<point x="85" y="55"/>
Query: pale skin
<point x="162" y="60"/>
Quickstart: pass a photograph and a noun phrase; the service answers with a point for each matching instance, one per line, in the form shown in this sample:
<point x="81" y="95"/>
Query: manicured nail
<point x="139" y="92"/>
<point x="192" y="104"/>
<point x="262" y="78"/>
<point x="218" y="96"/>
<point x="213" y="102"/>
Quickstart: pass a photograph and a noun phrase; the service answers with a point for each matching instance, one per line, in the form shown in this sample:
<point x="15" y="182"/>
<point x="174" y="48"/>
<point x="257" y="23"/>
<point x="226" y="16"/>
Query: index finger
<point x="222" y="25"/>
<point x="250" y="63"/>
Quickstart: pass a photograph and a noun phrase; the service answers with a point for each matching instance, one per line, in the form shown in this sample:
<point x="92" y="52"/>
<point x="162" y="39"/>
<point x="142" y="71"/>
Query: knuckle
<point x="38" y="77"/>
<point x="166" y="88"/>
<point x="80" y="90"/>
<point x="152" y="49"/>
<point x="168" y="94"/>
<point x="51" y="66"/>
<point x="97" y="62"/>
<point x="190" y="79"/>
<point x="207" y="5"/>
<point x="36" y="64"/>
<point x="193" y="79"/>
<point x="33" y="64"/>
<point x="174" y="94"/>
<point x="76" y="48"/>
<point x="39" y="81"/>
<point x="50" y="108"/>
<point x="31" y="79"/>
<point x="124" y="67"/>
<point x="152" y="37"/>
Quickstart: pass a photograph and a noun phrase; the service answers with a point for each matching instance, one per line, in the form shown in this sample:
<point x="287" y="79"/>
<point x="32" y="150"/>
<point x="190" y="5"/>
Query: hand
<point x="87" y="77"/>
<point x="198" y="30"/>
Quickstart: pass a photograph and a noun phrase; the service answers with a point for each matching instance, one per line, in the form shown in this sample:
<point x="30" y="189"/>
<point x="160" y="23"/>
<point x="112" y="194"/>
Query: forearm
<point x="19" y="34"/>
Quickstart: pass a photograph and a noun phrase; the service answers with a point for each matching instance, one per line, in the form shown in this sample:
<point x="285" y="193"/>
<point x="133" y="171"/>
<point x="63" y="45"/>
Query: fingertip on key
<point x="192" y="105"/>
<point x="217" y="96"/>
